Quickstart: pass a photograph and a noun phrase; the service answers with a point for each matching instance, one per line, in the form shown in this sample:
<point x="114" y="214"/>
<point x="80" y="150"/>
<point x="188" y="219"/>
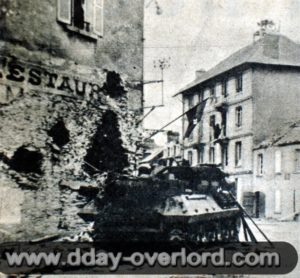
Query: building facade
<point x="71" y="96"/>
<point x="276" y="175"/>
<point x="249" y="96"/>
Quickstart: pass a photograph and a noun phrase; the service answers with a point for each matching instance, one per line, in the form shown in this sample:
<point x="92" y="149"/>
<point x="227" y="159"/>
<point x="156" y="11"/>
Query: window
<point x="212" y="120"/>
<point x="212" y="155"/>
<point x="238" y="116"/>
<point x="190" y="158"/>
<point x="201" y="96"/>
<point x="238" y="153"/>
<point x="239" y="82"/>
<point x="278" y="161"/>
<point x="277" y="201"/>
<point x="84" y="16"/>
<point x="260" y="164"/>
<point x="297" y="160"/>
<point x="190" y="102"/>
<point x="224" y="88"/>
<point x="212" y="92"/>
<point x="225" y="155"/>
<point x="200" y="156"/>
<point x="212" y="124"/>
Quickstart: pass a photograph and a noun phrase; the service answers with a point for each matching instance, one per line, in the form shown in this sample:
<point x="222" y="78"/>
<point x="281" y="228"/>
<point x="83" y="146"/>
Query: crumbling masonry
<point x="69" y="107"/>
<point x="53" y="139"/>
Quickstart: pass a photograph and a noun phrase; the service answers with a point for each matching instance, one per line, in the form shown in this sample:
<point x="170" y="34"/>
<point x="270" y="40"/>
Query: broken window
<point x="106" y="153"/>
<point x="26" y="161"/>
<point x="60" y="134"/>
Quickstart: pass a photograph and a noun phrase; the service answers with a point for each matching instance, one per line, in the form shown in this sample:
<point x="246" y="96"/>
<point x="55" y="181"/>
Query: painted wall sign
<point x="16" y="73"/>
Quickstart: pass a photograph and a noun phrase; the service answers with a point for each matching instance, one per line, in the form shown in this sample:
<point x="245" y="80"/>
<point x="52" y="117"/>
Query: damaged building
<point x="70" y="99"/>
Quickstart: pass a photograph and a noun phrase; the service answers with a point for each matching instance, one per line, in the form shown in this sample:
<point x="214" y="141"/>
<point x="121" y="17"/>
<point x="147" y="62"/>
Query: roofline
<point x="183" y="91"/>
<point x="275" y="145"/>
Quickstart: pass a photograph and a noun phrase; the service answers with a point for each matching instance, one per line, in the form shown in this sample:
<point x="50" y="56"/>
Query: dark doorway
<point x="249" y="203"/>
<point x="259" y="205"/>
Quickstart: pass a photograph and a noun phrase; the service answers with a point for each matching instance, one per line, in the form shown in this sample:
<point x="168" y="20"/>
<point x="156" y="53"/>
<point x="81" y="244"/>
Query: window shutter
<point x="89" y="11"/>
<point x="98" y="17"/>
<point x="277" y="201"/>
<point x="278" y="161"/>
<point x="64" y="11"/>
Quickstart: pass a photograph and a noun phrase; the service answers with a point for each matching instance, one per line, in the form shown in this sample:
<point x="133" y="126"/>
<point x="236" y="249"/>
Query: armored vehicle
<point x="174" y="204"/>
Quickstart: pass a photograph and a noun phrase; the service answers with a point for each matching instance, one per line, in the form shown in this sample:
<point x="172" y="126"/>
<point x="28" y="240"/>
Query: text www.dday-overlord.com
<point x="113" y="260"/>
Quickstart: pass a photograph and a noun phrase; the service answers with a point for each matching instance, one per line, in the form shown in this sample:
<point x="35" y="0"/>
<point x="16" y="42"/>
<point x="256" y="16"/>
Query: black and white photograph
<point x="158" y="138"/>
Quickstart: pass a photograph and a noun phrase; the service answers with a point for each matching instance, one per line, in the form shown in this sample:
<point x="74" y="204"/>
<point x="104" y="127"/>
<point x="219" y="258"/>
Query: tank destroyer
<point x="174" y="204"/>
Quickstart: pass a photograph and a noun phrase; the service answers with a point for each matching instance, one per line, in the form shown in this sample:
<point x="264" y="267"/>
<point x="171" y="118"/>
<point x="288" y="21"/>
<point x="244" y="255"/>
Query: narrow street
<point x="280" y="231"/>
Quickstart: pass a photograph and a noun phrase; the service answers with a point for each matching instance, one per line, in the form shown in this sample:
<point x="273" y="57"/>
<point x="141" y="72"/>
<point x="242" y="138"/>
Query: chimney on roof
<point x="266" y="27"/>
<point x="268" y="34"/>
<point x="271" y="46"/>
<point x="199" y="73"/>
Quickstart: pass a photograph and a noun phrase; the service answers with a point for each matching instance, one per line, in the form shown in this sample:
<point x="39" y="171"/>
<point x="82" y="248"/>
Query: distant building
<point x="171" y="151"/>
<point x="251" y="94"/>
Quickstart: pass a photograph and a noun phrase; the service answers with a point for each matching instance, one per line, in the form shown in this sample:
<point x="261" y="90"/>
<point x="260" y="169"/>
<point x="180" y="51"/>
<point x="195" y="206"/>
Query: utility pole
<point x="162" y="64"/>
